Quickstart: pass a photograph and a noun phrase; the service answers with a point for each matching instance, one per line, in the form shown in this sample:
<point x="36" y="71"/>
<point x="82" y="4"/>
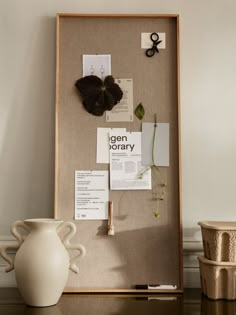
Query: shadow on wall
<point x="193" y="234"/>
<point x="27" y="152"/>
<point x="130" y="257"/>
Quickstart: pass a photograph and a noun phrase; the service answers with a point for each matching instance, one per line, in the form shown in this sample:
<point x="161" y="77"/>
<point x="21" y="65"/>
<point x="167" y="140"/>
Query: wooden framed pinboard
<point x="144" y="249"/>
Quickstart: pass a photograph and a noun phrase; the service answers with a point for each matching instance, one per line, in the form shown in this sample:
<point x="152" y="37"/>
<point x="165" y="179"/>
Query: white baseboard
<point x="191" y="278"/>
<point x="7" y="278"/>
<point x="191" y="248"/>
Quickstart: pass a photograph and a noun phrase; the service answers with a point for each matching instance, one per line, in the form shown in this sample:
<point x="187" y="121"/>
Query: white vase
<point x="42" y="262"/>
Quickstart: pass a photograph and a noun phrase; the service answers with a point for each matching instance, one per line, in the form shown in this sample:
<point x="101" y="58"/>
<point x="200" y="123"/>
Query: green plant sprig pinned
<point x="160" y="195"/>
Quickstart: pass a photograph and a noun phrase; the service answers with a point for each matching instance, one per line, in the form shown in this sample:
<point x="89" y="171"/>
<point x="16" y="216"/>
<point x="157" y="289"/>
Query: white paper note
<point x="103" y="153"/>
<point x="123" y="111"/>
<point x="91" y="195"/>
<point x="99" y="65"/>
<point x="161" y="145"/>
<point x="126" y="172"/>
<point x="146" y="41"/>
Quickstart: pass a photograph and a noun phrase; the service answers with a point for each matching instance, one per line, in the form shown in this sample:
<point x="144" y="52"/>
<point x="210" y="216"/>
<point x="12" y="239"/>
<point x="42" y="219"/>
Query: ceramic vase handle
<point x="8" y="258"/>
<point x="66" y="241"/>
<point x="20" y="239"/>
<point x="14" y="231"/>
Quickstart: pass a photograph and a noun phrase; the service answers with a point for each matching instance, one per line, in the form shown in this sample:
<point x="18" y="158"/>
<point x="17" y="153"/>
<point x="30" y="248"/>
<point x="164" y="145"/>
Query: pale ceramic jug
<point x="42" y="262"/>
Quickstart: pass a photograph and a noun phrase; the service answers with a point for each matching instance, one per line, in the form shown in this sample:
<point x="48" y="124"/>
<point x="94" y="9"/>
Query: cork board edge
<point x="167" y="16"/>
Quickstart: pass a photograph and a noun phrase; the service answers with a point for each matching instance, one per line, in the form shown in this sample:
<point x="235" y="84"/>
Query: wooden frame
<point x="167" y="230"/>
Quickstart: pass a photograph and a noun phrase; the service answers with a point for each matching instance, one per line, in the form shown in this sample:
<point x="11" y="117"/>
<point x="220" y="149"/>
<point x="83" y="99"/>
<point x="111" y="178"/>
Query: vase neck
<point x="42" y="224"/>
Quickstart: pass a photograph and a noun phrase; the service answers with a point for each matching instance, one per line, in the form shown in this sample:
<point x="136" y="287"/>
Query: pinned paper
<point x="160" y="151"/>
<point x="126" y="172"/>
<point x="91" y="195"/>
<point x="146" y="41"/>
<point x="103" y="154"/>
<point x="123" y="111"/>
<point x="99" y="65"/>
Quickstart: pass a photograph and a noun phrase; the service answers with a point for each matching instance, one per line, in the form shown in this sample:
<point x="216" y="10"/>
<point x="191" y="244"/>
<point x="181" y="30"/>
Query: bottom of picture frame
<point x="122" y="291"/>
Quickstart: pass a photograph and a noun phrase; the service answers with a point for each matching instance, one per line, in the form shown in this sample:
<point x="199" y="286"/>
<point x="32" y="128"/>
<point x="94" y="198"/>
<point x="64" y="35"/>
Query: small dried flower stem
<point x="161" y="195"/>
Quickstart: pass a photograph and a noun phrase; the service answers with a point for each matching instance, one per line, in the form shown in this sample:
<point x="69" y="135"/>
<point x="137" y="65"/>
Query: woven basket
<point x="219" y="240"/>
<point x="218" y="279"/>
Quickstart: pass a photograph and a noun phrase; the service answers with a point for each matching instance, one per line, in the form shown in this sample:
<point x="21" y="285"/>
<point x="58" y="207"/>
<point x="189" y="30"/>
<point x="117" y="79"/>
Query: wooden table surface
<point x="190" y="303"/>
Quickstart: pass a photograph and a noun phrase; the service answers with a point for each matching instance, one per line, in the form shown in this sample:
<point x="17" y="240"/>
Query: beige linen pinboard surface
<point x="144" y="249"/>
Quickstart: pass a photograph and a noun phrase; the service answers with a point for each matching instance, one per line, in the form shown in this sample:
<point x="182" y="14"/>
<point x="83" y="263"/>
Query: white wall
<point x="208" y="106"/>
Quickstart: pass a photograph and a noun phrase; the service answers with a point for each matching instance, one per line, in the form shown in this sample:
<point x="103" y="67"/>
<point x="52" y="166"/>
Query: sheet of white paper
<point x="161" y="145"/>
<point x="99" y="65"/>
<point x="123" y="111"/>
<point x="103" y="153"/>
<point x="146" y="41"/>
<point x="125" y="163"/>
<point x="91" y="195"/>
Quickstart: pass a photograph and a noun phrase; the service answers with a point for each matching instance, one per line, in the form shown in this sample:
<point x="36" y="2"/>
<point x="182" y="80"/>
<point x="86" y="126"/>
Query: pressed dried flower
<point x="97" y="95"/>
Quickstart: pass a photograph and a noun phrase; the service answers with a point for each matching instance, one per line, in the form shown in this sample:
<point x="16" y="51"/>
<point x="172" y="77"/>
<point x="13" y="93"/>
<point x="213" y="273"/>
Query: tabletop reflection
<point x="81" y="304"/>
<point x="217" y="307"/>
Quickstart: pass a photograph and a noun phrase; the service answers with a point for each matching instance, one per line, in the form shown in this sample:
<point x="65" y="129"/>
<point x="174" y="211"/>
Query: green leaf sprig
<point x="139" y="111"/>
<point x="162" y="193"/>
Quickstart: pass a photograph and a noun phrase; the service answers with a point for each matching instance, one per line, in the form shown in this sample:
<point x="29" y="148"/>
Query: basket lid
<point x="219" y="225"/>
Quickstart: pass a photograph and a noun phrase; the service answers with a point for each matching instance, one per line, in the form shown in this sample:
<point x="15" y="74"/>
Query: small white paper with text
<point x="126" y="171"/>
<point x="91" y="195"/>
